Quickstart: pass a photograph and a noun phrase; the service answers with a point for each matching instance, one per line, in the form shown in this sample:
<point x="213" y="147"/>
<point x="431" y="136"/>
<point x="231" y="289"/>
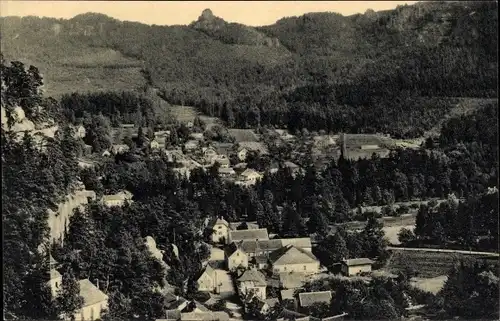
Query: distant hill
<point x="232" y="70"/>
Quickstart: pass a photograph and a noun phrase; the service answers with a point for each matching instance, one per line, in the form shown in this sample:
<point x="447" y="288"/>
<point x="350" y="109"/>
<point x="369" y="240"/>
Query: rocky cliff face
<point x="231" y="33"/>
<point x="58" y="220"/>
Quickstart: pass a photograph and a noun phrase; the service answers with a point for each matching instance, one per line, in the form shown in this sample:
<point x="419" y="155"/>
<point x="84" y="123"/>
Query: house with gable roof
<point x="248" y="177"/>
<point x="250" y="234"/>
<point x="235" y="257"/>
<point x="354" y="266"/>
<point x="293" y="259"/>
<point x="220" y="230"/>
<point x="251" y="284"/>
<point x="94" y="302"/>
<point x="207" y="281"/>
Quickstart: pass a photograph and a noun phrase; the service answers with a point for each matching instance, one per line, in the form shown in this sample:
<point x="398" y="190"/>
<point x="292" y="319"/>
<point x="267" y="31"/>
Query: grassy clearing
<point x="432" y="285"/>
<point x="186" y="114"/>
<point x="244" y="135"/>
<point x="427" y="264"/>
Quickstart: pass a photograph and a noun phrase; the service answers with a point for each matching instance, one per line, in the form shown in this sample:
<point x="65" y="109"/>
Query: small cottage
<point x="307" y="299"/>
<point x="252" y="284"/>
<point x="235" y="257"/>
<point x="354" y="266"/>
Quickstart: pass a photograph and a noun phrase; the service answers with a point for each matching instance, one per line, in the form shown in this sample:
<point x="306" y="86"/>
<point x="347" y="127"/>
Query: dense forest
<point x="120" y="108"/>
<point x="34" y="179"/>
<point x="320" y="71"/>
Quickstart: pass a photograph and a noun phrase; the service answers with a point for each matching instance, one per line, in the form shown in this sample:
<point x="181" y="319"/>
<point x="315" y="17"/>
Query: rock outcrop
<point x="58" y="220"/>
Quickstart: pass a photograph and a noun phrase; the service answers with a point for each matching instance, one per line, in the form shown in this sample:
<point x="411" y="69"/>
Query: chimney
<point x="97" y="283"/>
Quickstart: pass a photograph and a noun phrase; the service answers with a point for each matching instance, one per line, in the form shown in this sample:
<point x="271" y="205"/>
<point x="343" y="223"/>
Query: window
<point x="305" y="268"/>
<point x="238" y="254"/>
<point x="220" y="233"/>
<point x="284" y="269"/>
<point x="219" y="227"/>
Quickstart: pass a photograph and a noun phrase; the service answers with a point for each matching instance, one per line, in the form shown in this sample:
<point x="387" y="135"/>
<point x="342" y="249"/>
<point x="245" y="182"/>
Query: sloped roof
<point x="291" y="255"/>
<point x="287" y="294"/>
<point x="209" y="271"/>
<point x="205" y="316"/>
<point x="293" y="280"/>
<point x="309" y="298"/>
<point x="300" y="242"/>
<point x="90" y="293"/>
<point x="226" y="170"/>
<point x="253" y="146"/>
<point x="253" y="276"/>
<point x="231" y="248"/>
<point x="356" y="262"/>
<point x="249" y="225"/>
<point x="254" y="234"/>
<point x="247" y="172"/>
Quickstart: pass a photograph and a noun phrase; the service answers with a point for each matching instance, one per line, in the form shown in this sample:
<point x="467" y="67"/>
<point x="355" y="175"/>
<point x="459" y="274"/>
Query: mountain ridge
<point x="358" y="61"/>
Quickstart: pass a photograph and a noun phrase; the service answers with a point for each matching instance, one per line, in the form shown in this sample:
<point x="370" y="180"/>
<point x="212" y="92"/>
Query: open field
<point x="426" y="263"/>
<point x="432" y="285"/>
<point x="391" y="232"/>
<point x="89" y="70"/>
<point x="244" y="135"/>
<point x="185" y="114"/>
<point x="357" y="140"/>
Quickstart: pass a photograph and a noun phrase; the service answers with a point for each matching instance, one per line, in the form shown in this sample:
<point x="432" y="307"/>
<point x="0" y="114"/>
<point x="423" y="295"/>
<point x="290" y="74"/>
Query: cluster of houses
<point x="258" y="263"/>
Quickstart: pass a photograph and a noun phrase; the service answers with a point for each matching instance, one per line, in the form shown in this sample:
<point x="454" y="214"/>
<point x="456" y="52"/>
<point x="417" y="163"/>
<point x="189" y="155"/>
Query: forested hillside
<point x="345" y="70"/>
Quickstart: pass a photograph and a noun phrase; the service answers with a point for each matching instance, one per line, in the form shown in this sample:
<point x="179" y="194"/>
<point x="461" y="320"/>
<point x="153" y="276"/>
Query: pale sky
<point x="253" y="13"/>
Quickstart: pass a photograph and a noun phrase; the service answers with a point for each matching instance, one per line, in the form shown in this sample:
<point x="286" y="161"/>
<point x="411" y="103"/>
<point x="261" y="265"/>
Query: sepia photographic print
<point x="249" y="160"/>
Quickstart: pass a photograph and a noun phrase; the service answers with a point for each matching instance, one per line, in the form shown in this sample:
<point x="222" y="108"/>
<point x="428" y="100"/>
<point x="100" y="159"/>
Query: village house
<point x="117" y="199"/>
<point x="261" y="248"/>
<point x="222" y="160"/>
<point x="226" y="172"/>
<point x="196" y="136"/>
<point x="174" y="304"/>
<point x="80" y="132"/>
<point x="287" y="294"/>
<point x="248" y="177"/>
<point x="119" y="149"/>
<point x="220" y="231"/>
<point x="293" y="259"/>
<point x="307" y="299"/>
<point x="354" y="266"/>
<point x="235" y="257"/>
<point x="220" y="227"/>
<point x="94" y="302"/>
<point x="191" y="145"/>
<point x="174" y="155"/>
<point x="154" y="144"/>
<point x="162" y="133"/>
<point x="252" y="234"/>
<point x="266" y="305"/>
<point x="205" y="316"/>
<point x="251" y="284"/>
<point x="243" y="225"/>
<point x="207" y="281"/>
